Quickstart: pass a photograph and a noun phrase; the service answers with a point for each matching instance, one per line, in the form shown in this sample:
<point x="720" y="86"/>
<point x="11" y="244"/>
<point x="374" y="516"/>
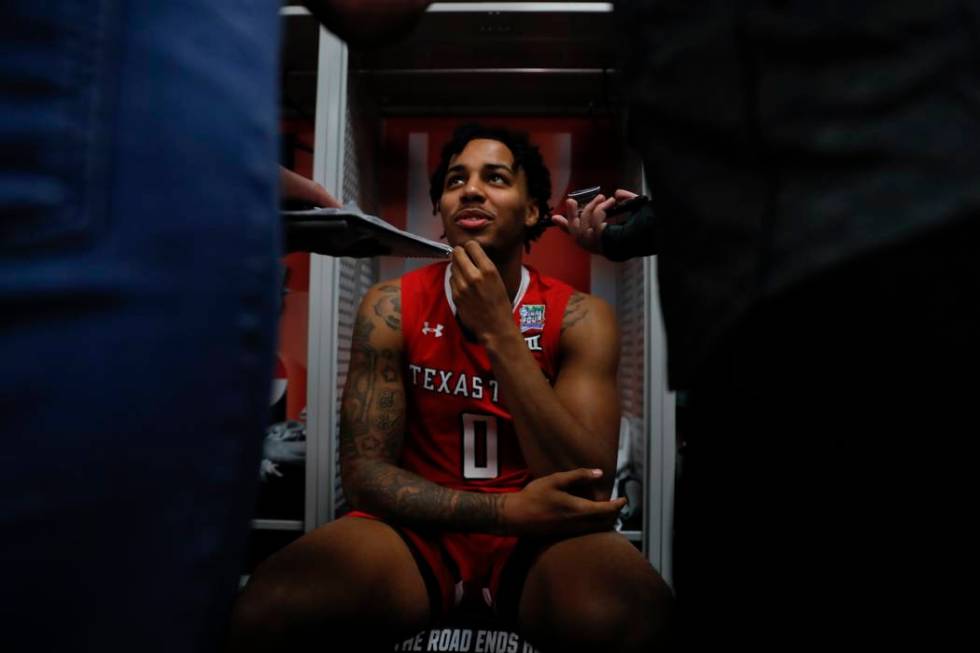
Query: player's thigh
<point x="600" y="577"/>
<point x="349" y="568"/>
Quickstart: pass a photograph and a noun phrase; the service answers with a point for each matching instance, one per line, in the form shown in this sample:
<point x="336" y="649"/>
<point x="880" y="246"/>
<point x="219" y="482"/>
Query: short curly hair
<point x="527" y="157"/>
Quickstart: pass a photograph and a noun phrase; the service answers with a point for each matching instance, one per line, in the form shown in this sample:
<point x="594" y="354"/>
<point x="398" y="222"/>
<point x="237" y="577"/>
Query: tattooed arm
<point x="575" y="423"/>
<point x="372" y="428"/>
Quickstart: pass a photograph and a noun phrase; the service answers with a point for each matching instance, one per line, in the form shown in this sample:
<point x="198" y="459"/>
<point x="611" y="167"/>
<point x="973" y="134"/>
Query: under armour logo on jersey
<point x="534" y="342"/>
<point x="437" y="330"/>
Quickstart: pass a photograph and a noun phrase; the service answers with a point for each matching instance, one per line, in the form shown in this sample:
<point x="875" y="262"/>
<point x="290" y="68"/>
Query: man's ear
<point x="532" y="215"/>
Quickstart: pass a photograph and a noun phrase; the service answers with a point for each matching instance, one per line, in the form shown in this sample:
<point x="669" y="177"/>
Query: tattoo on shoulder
<point x="576" y="309"/>
<point x="362" y="332"/>
<point x="389" y="306"/>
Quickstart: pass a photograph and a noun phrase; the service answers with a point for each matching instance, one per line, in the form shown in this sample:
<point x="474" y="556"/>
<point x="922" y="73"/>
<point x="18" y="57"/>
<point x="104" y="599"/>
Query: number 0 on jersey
<point x="479" y="446"/>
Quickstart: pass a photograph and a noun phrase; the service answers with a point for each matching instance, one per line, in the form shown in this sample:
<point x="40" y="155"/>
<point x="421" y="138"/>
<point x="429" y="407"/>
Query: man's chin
<point x="463" y="238"/>
<point x="485" y="241"/>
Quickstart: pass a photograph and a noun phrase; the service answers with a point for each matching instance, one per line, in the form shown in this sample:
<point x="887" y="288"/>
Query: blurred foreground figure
<point x="816" y="210"/>
<point x="139" y="282"/>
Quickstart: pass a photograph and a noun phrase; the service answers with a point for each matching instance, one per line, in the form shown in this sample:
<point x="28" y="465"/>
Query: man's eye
<point x="455" y="180"/>
<point x="498" y="178"/>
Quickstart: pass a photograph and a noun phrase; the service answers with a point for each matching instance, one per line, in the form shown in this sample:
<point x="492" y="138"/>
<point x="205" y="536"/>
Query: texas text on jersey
<point x="459" y="432"/>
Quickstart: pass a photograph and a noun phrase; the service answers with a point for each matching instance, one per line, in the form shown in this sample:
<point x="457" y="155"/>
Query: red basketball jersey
<point x="460" y="434"/>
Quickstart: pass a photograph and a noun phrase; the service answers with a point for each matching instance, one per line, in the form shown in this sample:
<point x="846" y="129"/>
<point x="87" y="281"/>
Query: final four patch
<point x="532" y="317"/>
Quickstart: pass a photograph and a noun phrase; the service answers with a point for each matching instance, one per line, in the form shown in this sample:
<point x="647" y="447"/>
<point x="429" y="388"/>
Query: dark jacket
<point x="781" y="139"/>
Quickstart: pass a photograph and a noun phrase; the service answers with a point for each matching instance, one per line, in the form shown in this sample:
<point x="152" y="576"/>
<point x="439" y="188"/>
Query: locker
<point x="367" y="124"/>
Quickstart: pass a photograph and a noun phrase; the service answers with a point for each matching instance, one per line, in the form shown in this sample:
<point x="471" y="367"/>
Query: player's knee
<point x="262" y="613"/>
<point x="651" y="614"/>
<point x="600" y="618"/>
<point x="627" y="612"/>
<point x="618" y="621"/>
<point x="354" y="586"/>
<point x="281" y="600"/>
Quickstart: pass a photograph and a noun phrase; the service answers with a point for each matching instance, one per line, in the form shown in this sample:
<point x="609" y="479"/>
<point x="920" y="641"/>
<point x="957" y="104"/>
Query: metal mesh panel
<point x="356" y="277"/>
<point x="352" y="182"/>
<point x="632" y="321"/>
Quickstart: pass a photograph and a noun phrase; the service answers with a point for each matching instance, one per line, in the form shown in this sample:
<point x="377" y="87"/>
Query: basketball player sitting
<point x="478" y="440"/>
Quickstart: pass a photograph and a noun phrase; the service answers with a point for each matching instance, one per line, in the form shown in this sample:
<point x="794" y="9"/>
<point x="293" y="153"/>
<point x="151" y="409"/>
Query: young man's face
<point x="485" y="199"/>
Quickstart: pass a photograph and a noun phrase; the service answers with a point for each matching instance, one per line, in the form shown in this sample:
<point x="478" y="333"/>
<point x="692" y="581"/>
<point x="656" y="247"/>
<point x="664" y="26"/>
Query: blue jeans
<point x="139" y="246"/>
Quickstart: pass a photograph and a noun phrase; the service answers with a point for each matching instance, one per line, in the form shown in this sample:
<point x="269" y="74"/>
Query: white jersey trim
<point x="518" y="298"/>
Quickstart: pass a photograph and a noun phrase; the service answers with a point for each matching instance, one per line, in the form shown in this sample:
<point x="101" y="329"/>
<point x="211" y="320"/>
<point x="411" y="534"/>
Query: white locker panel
<point x="631" y="315"/>
<point x="356" y="276"/>
<point x="328" y="170"/>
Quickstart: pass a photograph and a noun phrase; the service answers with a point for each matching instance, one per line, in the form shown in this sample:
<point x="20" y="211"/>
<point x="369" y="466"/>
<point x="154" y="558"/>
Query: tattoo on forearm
<point x="411" y="499"/>
<point x="575" y="311"/>
<point x="479" y="508"/>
